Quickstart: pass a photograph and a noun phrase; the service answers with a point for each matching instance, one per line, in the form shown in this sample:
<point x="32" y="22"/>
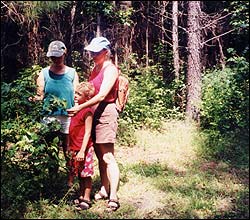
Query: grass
<point x="162" y="177"/>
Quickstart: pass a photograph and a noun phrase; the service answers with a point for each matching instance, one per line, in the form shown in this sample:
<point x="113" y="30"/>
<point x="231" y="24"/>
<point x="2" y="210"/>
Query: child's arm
<point x="88" y="127"/>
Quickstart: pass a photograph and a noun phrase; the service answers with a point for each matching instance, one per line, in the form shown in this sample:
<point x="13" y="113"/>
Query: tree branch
<point x="215" y="37"/>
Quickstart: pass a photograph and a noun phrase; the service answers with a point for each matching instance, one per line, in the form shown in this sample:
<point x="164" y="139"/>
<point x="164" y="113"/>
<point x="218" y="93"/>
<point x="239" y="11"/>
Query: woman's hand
<point x="72" y="111"/>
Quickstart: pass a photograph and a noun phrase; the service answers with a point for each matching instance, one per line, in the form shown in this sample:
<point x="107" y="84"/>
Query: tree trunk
<point x="34" y="48"/>
<point x="71" y="39"/>
<point x="175" y="39"/>
<point x="147" y="35"/>
<point x="194" y="62"/>
<point x="126" y="32"/>
<point x="98" y="29"/>
<point x="162" y="6"/>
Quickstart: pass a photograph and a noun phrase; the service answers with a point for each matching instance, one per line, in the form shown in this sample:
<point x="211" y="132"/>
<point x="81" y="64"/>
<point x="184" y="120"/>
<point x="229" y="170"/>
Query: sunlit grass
<point x="194" y="194"/>
<point x="173" y="145"/>
<point x="182" y="185"/>
<point x="161" y="177"/>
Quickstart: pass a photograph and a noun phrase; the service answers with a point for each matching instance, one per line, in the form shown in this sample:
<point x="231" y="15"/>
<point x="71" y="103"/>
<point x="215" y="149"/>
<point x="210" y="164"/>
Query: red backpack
<point x="123" y="92"/>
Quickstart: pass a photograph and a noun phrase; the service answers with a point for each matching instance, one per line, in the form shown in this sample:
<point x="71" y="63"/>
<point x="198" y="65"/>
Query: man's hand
<point x="35" y="98"/>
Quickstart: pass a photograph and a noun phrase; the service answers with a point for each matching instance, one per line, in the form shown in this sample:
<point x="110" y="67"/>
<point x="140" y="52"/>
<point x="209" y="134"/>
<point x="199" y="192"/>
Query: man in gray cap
<point x="57" y="80"/>
<point x="56" y="49"/>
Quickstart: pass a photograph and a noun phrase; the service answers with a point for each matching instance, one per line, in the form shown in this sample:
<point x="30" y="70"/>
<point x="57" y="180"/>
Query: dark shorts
<point x="105" y="123"/>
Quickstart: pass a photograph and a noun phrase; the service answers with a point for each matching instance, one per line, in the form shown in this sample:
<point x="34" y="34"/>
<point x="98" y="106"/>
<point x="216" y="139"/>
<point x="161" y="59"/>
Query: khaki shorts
<point x="105" y="123"/>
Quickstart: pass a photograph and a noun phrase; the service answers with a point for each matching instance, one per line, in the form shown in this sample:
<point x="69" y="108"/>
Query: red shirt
<point x="97" y="78"/>
<point x="77" y="130"/>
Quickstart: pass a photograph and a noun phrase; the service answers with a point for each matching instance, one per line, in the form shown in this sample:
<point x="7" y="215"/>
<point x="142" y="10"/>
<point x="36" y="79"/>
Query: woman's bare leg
<point x="112" y="168"/>
<point x="103" y="171"/>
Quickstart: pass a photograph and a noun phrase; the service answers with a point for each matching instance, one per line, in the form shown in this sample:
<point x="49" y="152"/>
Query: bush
<point x="150" y="102"/>
<point x="150" y="99"/>
<point x="22" y="135"/>
<point x="25" y="155"/>
<point x="225" y="112"/>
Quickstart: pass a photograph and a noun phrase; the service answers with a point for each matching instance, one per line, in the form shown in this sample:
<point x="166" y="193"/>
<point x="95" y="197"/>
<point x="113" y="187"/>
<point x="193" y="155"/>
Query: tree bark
<point x="175" y="39"/>
<point x="98" y="26"/>
<point x="194" y="62"/>
<point x="147" y="35"/>
<point x="162" y="7"/>
<point x="72" y="34"/>
<point x="126" y="40"/>
<point x="34" y="48"/>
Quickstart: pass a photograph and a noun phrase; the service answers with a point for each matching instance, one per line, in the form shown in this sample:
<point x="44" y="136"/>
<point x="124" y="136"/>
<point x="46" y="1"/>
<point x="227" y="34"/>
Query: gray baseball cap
<point x="56" y="49"/>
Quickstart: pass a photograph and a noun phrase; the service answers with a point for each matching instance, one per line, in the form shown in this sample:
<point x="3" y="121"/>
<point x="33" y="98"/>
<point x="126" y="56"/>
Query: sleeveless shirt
<point x="97" y="78"/>
<point x="60" y="86"/>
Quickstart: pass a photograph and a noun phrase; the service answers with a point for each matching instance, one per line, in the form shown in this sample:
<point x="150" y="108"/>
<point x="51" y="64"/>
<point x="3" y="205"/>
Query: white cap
<point x="97" y="44"/>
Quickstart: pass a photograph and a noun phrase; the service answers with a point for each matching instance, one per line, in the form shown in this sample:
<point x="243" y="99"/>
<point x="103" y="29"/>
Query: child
<point x="81" y="146"/>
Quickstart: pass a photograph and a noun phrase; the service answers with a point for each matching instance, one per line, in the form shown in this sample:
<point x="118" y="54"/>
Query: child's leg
<point x="88" y="187"/>
<point x="85" y="172"/>
<point x="71" y="176"/>
<point x="85" y="187"/>
<point x="85" y="190"/>
<point x="82" y="190"/>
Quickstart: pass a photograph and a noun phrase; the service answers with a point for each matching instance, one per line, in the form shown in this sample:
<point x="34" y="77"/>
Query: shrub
<point x="149" y="100"/>
<point x="22" y="134"/>
<point x="225" y="111"/>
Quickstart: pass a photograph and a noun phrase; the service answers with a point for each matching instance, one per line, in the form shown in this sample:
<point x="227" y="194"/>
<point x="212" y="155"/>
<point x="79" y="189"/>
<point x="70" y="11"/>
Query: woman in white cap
<point x="105" y="80"/>
<point x="57" y="80"/>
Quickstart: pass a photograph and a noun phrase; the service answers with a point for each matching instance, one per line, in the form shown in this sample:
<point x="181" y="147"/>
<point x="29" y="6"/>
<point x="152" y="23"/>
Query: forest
<point x="188" y="68"/>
